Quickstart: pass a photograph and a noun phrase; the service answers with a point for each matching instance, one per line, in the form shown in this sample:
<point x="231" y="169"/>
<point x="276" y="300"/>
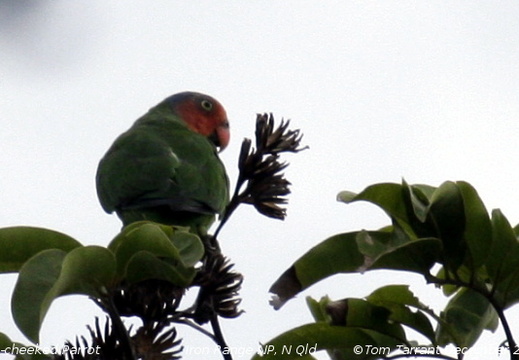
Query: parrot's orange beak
<point x="223" y="134"/>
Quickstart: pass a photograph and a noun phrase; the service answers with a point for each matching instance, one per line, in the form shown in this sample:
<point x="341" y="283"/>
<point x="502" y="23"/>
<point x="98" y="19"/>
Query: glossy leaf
<point x="516" y="230"/>
<point x="52" y="273"/>
<point x="87" y="270"/>
<point x="144" y="266"/>
<point x="447" y="289"/>
<point x="37" y="277"/>
<point x="337" y="254"/>
<point x="18" y="244"/>
<point x="190" y="247"/>
<point x="4" y="341"/>
<point x="447" y="214"/>
<point x="418" y="200"/>
<point x="399" y="299"/>
<point x="464" y="318"/>
<point x="141" y="226"/>
<point x="423" y="192"/>
<point x="381" y="251"/>
<point x="173" y="247"/>
<point x="388" y="196"/>
<point x="318" y="308"/>
<point x="352" y="312"/>
<point x="478" y="229"/>
<point x="448" y="225"/>
<point x="320" y="313"/>
<point x="363" y="314"/>
<point x="503" y="262"/>
<point x="356" y="252"/>
<point x="148" y="237"/>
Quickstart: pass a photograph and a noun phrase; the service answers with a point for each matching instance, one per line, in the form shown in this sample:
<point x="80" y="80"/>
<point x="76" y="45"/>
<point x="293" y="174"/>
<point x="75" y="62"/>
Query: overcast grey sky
<point x="425" y="90"/>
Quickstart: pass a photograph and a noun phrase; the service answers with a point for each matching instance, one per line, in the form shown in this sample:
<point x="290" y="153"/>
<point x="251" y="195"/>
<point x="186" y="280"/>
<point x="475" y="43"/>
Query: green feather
<point x="160" y="170"/>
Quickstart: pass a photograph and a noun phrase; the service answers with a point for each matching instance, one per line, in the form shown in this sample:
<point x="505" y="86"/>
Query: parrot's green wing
<point x="162" y="171"/>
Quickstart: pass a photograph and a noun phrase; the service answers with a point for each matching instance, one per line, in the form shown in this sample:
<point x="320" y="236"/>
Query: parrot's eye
<point x="206" y="105"/>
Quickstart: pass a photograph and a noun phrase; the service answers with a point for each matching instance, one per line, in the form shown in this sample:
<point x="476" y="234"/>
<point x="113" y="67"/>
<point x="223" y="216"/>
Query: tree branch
<point x="118" y="326"/>
<point x="488" y="295"/>
<point x="218" y="337"/>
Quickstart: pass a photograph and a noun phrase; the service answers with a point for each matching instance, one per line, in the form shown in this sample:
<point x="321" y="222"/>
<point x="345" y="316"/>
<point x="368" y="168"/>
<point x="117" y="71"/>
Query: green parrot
<point x="166" y="168"/>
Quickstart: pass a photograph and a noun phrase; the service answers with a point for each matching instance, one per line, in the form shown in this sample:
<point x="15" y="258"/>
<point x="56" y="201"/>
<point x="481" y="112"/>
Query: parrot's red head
<point x="204" y="115"/>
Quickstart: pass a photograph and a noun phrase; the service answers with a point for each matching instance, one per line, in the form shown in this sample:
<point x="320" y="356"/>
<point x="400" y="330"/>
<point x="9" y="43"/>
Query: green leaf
<point x="447" y="289"/>
<point x="322" y="313"/>
<point x="362" y="314"/>
<point x="396" y="294"/>
<point x="478" y="229"/>
<point x="398" y="299"/>
<point x="318" y="308"/>
<point x="18" y="244"/>
<point x="503" y="262"/>
<point x="423" y="192"/>
<point x="356" y="252"/>
<point x="4" y="341"/>
<point x="388" y="196"/>
<point x="419" y="197"/>
<point x="407" y="205"/>
<point x="87" y="270"/>
<point x="190" y="247"/>
<point x="346" y="196"/>
<point x="507" y="293"/>
<point x="143" y="236"/>
<point x="147" y="250"/>
<point x="145" y="265"/>
<point x="384" y="251"/>
<point x="446" y="212"/>
<point x="337" y="254"/>
<point x="321" y="336"/>
<point x="464" y="318"/>
<point x="52" y="273"/>
<point x="516" y="230"/>
<point x="37" y="277"/>
<point x="139" y="227"/>
<point x="357" y="313"/>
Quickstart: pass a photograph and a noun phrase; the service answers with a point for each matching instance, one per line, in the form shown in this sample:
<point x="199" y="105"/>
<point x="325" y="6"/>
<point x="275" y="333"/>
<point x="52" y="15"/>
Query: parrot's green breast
<point x="160" y="170"/>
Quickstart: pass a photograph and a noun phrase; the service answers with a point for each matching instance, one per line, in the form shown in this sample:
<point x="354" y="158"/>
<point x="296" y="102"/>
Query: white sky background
<point x="425" y="90"/>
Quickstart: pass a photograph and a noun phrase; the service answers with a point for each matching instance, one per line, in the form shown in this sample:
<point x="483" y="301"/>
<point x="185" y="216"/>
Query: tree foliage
<point x="444" y="234"/>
